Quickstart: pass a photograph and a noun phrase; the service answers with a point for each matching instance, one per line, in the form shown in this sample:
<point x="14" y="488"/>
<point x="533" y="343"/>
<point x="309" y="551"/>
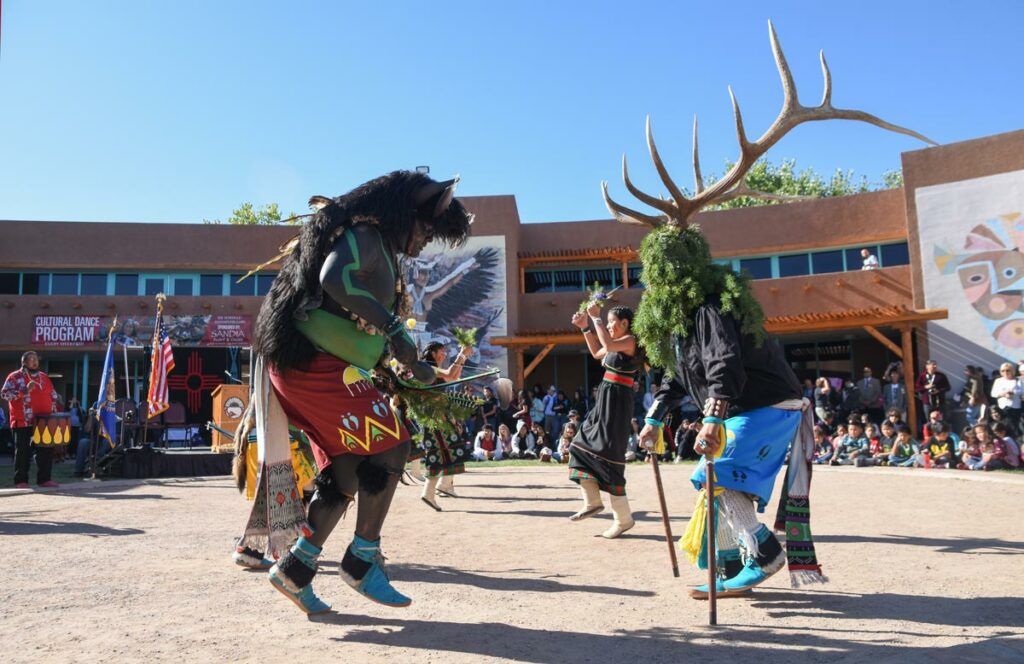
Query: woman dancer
<point x="445" y="453"/>
<point x="598" y="452"/>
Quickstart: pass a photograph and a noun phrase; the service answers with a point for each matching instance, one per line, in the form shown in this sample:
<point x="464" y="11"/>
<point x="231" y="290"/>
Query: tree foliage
<point x="786" y="179"/>
<point x="247" y="214"/>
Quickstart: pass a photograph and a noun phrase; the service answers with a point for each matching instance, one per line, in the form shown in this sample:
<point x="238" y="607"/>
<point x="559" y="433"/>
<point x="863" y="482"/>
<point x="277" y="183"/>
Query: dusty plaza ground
<point x="924" y="566"/>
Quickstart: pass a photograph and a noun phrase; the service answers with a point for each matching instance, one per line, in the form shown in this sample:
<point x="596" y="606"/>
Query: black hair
<point x="488" y="427"/>
<point x="428" y="352"/>
<point x="903" y="428"/>
<point x="937" y="427"/>
<point x="24" y="356"/>
<point x="389" y="203"/>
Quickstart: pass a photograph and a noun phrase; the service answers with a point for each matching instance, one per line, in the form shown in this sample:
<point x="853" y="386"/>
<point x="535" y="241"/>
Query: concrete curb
<point x="99" y="485"/>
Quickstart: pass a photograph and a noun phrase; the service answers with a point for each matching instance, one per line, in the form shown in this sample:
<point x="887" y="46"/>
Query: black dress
<point x="598" y="451"/>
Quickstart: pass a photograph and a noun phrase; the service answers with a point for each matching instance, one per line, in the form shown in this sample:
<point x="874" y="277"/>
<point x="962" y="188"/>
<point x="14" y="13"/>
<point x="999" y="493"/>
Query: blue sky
<point x="179" y="111"/>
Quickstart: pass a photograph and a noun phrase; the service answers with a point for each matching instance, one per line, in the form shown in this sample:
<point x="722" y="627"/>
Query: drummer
<point x="30" y="395"/>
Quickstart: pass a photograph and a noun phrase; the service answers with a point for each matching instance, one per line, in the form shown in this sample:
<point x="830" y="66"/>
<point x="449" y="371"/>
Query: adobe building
<point x="949" y="285"/>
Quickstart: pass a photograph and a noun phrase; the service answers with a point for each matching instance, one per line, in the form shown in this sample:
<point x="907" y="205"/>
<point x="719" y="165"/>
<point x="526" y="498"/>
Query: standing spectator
<point x="809" y="389"/>
<point x="579" y="401"/>
<point x="895" y="367"/>
<point x="550" y="416"/>
<point x="30" y="395"/>
<point x="870" y="262"/>
<point x="562" y="412"/>
<point x="521" y="410"/>
<point x="850" y="400"/>
<point x="894" y="396"/>
<point x="931" y="387"/>
<point x="972" y="398"/>
<point x="490" y="409"/>
<point x="649" y="397"/>
<point x="1006" y="390"/>
<point x="536" y="407"/>
<point x="871" y="396"/>
<point x="77" y="417"/>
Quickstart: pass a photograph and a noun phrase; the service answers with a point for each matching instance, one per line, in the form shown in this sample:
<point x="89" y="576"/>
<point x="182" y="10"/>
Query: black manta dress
<point x="599" y="448"/>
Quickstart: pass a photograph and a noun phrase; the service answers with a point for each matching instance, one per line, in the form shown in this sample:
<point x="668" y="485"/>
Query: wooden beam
<point x="537" y="360"/>
<point x="881" y="338"/>
<point x="520" y="369"/>
<point x="522" y="279"/>
<point x="909" y="375"/>
<point x="812" y="325"/>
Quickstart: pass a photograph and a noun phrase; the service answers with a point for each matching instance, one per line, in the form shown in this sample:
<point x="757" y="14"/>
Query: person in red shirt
<point x="30" y="395"/>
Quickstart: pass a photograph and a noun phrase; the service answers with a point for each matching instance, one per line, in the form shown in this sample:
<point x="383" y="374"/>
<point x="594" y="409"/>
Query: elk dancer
<point x="701" y="323"/>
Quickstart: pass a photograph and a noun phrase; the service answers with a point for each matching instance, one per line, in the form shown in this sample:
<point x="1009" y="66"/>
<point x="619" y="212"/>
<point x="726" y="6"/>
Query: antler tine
<point x="790" y="97"/>
<point x="743" y="190"/>
<point x="665" y="206"/>
<point x="826" y="97"/>
<point x="627" y="215"/>
<point x="698" y="179"/>
<point x="741" y="134"/>
<point x="682" y="202"/>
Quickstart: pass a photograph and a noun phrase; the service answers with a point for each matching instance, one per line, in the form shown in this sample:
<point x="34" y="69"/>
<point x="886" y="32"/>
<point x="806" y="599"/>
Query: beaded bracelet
<point x="708" y="419"/>
<point x="653" y="422"/>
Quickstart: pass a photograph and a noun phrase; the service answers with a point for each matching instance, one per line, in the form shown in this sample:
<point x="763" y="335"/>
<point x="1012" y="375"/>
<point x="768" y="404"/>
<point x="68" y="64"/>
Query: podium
<point x="229" y="403"/>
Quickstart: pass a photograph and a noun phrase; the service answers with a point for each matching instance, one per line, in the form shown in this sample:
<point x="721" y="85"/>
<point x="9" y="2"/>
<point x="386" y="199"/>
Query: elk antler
<point x="732" y="184"/>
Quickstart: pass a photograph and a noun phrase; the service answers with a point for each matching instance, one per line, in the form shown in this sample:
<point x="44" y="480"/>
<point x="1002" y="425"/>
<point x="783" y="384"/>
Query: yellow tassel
<point x="692" y="540"/>
<point x="659" y="447"/>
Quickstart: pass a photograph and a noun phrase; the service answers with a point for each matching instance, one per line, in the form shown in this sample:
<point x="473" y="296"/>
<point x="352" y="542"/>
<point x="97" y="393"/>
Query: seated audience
<point x="904" y="450"/>
<point x="524" y="443"/>
<point x="938" y="450"/>
<point x="1012" y="458"/>
<point x="823" y="449"/>
<point x="485" y="445"/>
<point x="852" y="446"/>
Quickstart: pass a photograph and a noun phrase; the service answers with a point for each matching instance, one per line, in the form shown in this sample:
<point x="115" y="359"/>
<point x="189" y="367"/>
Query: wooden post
<point x="881" y="338"/>
<point x="520" y="373"/>
<point x="909" y="375"/>
<point x="625" y="274"/>
<point x="537" y="360"/>
<point x="522" y="279"/>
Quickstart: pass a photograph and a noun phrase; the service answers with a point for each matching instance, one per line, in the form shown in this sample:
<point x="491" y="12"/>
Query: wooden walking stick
<point x="664" y="515"/>
<point x="709" y="488"/>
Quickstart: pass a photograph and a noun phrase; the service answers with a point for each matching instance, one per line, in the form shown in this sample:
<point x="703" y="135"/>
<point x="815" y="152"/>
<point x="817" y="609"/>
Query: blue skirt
<point x="756" y="446"/>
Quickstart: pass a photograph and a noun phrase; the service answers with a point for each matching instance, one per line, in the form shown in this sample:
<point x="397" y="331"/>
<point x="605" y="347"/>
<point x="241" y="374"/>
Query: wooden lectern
<point x="229" y="403"/>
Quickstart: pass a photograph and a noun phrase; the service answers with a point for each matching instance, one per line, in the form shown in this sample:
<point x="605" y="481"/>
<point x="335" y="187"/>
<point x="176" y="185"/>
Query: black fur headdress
<point x="393" y="203"/>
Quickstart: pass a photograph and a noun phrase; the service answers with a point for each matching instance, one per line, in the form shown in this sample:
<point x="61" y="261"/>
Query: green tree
<point x="248" y="215"/>
<point x="785" y="179"/>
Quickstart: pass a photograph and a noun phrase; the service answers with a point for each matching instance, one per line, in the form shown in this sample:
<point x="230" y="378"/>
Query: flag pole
<point x="94" y="439"/>
<point x="160" y="297"/>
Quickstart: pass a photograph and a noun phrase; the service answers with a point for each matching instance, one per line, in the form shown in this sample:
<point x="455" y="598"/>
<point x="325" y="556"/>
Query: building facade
<point x="947" y="285"/>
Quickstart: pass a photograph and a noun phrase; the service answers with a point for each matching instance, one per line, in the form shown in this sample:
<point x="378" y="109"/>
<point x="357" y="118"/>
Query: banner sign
<point x="204" y="331"/>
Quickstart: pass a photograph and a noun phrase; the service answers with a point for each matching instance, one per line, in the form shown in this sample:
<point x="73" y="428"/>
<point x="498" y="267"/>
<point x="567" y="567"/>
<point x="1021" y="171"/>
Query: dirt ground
<point x="924" y="566"/>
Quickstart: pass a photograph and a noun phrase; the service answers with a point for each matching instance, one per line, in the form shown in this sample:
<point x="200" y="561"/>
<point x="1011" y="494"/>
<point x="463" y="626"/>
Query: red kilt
<point x="338" y="408"/>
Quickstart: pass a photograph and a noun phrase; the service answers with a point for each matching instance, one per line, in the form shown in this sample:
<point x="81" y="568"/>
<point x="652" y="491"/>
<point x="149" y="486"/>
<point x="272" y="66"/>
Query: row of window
<point x="762" y="267"/>
<point x="84" y="283"/>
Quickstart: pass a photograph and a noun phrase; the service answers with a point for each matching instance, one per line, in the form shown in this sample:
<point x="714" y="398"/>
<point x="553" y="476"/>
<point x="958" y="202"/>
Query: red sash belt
<point x="618" y="378"/>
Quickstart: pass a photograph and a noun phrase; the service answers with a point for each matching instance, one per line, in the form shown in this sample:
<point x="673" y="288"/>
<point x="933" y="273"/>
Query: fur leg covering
<point x="429" y="489"/>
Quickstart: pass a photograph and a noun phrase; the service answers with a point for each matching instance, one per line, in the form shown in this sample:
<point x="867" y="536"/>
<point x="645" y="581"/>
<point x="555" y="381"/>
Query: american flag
<point x="163" y="362"/>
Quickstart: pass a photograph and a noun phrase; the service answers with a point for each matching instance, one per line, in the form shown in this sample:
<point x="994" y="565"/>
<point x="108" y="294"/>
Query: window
<point x="759" y="268"/>
<point x="824" y="262"/>
<point x="535" y="282"/>
<point x="263" y="282"/>
<point x="247" y="287"/>
<point x="568" y="280"/>
<point x="211" y="284"/>
<point x="854" y="261"/>
<point x="634" y="276"/>
<point x="94" y="284"/>
<point x="183" y="286"/>
<point x="9" y="283"/>
<point x="895" y="254"/>
<point x="64" y="284"/>
<point x="35" y="284"/>
<point x="154" y="285"/>
<point x="126" y="284"/>
<point x="605" y="277"/>
<point x="796" y="265"/>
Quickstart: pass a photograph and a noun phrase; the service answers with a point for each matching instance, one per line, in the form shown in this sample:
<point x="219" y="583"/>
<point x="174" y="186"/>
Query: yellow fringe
<point x="693" y="539"/>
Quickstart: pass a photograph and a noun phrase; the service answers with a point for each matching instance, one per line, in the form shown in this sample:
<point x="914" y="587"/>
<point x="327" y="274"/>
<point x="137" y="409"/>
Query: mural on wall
<point x="971" y="237"/>
<point x="991" y="272"/>
<point x="464" y="288"/>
